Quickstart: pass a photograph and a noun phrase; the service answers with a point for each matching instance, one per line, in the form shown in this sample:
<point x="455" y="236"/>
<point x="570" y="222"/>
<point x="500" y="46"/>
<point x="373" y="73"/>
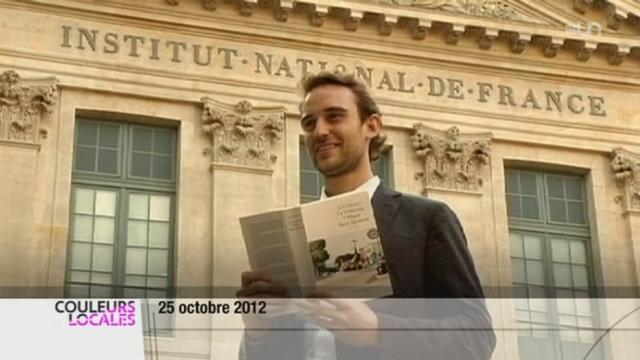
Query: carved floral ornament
<point x="626" y="170"/>
<point x="242" y="135"/>
<point x="451" y="161"/>
<point x="22" y="105"/>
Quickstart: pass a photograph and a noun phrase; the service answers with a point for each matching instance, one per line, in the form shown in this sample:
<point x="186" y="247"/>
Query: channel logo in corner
<point x="97" y="313"/>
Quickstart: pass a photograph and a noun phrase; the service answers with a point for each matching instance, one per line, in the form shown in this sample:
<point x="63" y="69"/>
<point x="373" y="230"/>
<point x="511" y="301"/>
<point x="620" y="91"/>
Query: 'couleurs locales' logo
<point x="98" y="312"/>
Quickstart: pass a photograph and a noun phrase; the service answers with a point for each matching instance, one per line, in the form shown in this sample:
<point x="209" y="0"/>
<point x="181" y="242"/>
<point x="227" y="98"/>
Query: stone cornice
<point x="617" y="10"/>
<point x="22" y="104"/>
<point x="485" y="28"/>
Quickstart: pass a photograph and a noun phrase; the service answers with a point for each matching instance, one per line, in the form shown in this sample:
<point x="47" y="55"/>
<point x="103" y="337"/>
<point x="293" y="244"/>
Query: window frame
<point x="123" y="184"/>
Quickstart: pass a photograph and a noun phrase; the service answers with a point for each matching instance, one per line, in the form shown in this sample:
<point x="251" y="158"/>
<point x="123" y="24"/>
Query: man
<point x="423" y="242"/>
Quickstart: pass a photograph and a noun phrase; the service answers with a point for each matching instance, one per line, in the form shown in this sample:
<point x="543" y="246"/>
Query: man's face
<point x="336" y="138"/>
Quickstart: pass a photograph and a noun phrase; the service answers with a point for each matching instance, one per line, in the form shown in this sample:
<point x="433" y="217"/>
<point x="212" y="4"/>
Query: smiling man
<point x="424" y="246"/>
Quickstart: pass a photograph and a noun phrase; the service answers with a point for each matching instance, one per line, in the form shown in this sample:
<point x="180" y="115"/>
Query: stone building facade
<point x="134" y="134"/>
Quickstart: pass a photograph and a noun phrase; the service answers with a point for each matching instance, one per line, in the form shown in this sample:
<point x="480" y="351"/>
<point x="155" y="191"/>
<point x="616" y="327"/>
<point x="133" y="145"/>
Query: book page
<point x="345" y="247"/>
<point x="268" y="246"/>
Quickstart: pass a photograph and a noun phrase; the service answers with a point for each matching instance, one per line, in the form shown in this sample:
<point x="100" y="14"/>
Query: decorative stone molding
<point x="209" y="4"/>
<point x="450" y="18"/>
<point x="618" y="11"/>
<point x="246" y="7"/>
<point x="493" y="9"/>
<point x="352" y="22"/>
<point x="451" y="161"/>
<point x="318" y="15"/>
<point x="242" y="134"/>
<point x="282" y="11"/>
<point x="626" y="170"/>
<point x="22" y="104"/>
<point x="386" y="24"/>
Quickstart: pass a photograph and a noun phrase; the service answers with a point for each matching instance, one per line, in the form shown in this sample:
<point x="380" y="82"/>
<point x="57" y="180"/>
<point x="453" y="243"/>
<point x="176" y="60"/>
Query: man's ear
<point x="373" y="126"/>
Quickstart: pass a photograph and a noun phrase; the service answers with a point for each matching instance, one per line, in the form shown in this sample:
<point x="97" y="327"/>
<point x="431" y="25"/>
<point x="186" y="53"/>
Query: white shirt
<point x="319" y="342"/>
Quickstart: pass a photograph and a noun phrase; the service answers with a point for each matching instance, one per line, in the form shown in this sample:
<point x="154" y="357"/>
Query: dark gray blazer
<point x="427" y="257"/>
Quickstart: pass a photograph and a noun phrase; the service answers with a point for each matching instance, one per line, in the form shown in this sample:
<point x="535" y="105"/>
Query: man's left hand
<point x="351" y="321"/>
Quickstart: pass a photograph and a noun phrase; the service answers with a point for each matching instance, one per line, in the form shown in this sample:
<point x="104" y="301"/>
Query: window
<point x="550" y="263"/>
<point x="122" y="206"/>
<point x="311" y="181"/>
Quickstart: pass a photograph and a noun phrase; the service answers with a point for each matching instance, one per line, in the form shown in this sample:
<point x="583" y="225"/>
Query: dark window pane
<point x="528" y="184"/>
<point x="142" y="139"/>
<point x="87" y="133"/>
<point x="516" y="245"/>
<point x="78" y="291"/>
<point x="560" y="250"/>
<point x="141" y="165"/>
<point x="513" y="206"/>
<point x="108" y="161"/>
<point x="578" y="252"/>
<point x="557" y="211"/>
<point x="532" y="246"/>
<point x="85" y="159"/>
<point x="576" y="212"/>
<point x="512" y="182"/>
<point x="163" y="142"/>
<point x="309" y="183"/>
<point x="580" y="277"/>
<point x="305" y="159"/>
<point x="109" y="136"/>
<point x="555" y="186"/>
<point x="535" y="274"/>
<point x="98" y="291"/>
<point x="562" y="275"/>
<point x="162" y="167"/>
<point x="517" y="271"/>
<point x="530" y="208"/>
<point x="574" y="189"/>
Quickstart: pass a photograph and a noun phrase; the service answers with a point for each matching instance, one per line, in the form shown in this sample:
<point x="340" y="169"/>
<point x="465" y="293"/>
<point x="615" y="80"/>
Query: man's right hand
<point x="258" y="284"/>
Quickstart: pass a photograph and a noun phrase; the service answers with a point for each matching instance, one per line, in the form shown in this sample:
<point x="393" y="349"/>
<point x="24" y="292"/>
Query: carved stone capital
<point x="242" y="134"/>
<point x="626" y="171"/>
<point x="451" y="161"/>
<point x="22" y="105"/>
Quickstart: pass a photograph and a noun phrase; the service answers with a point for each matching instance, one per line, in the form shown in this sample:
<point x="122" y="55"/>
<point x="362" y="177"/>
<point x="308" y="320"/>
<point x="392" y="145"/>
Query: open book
<point x="331" y="245"/>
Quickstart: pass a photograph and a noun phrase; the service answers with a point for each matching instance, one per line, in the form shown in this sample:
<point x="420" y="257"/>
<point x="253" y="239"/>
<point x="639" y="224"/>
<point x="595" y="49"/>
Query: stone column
<point x="242" y="159"/>
<point x="626" y="170"/>
<point x="23" y="106"/>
